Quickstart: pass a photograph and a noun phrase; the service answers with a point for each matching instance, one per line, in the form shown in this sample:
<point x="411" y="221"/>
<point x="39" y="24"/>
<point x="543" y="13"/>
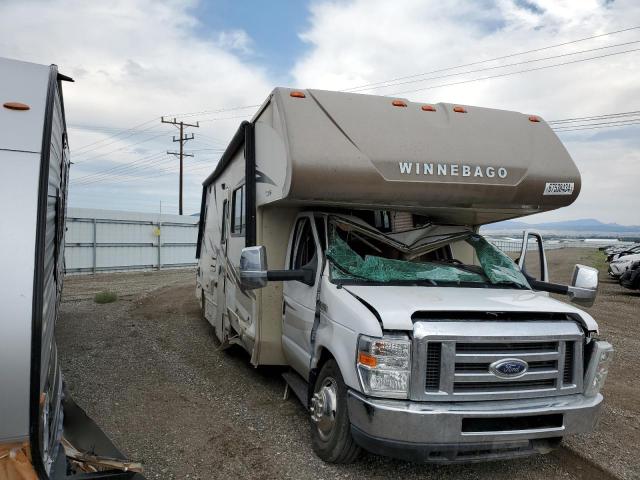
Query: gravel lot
<point x="148" y="370"/>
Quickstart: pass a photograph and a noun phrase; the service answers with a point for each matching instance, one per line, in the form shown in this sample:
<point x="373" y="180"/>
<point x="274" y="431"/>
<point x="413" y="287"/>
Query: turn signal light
<point x="428" y="108"/>
<point x="366" y="359"/>
<point x="534" y="118"/>
<point x="297" y="94"/>
<point x="459" y="109"/>
<point x="16" y="106"/>
<point x="399" y="103"/>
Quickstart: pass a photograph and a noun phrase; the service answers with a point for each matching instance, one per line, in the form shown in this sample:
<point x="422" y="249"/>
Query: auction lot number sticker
<point x="558" y="188"/>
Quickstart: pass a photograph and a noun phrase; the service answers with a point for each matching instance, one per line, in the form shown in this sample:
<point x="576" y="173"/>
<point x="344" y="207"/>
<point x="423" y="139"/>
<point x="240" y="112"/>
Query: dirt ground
<point x="148" y="370"/>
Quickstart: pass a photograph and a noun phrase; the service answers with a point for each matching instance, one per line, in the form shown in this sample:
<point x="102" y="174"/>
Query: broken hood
<point x="396" y="304"/>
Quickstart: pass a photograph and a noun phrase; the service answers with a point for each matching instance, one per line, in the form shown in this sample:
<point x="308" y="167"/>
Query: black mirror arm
<point x="304" y="275"/>
<point x="548" y="286"/>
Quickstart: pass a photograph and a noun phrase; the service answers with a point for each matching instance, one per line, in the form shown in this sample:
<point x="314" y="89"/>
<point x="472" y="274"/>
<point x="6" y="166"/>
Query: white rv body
<point x="35" y="411"/>
<point x="417" y="180"/>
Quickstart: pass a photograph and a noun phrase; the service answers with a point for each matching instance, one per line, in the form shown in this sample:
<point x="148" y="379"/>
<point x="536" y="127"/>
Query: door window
<point x="305" y="246"/>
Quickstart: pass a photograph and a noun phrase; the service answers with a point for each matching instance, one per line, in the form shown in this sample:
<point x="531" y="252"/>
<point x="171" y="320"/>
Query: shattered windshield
<point x="361" y="254"/>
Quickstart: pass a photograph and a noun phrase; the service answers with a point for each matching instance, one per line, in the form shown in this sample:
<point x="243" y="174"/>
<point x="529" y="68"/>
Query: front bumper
<point x="468" y="431"/>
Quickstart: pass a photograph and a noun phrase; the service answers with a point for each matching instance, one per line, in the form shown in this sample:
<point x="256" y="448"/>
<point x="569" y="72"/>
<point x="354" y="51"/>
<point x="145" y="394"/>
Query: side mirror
<point x="584" y="285"/>
<point x="254" y="273"/>
<point x="253" y="267"/>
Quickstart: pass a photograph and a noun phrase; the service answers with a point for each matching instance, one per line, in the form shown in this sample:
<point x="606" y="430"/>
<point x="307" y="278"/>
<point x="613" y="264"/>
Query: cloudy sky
<point x="214" y="61"/>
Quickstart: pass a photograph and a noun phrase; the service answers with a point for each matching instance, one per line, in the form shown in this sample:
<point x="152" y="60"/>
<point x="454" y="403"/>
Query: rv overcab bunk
<point x="406" y="332"/>
<point x="43" y="433"/>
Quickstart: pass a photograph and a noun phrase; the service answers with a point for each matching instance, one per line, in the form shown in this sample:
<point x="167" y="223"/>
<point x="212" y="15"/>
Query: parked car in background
<point x="621" y="252"/>
<point x="631" y="278"/>
<point x="621" y="264"/>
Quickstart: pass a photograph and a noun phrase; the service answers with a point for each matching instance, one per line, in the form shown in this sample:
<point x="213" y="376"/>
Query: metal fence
<point x="109" y="241"/>
<point x="509" y="245"/>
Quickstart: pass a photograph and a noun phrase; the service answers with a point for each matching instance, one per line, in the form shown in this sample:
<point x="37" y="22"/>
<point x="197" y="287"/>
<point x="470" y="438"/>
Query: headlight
<point x="384" y="365"/>
<point x="598" y="368"/>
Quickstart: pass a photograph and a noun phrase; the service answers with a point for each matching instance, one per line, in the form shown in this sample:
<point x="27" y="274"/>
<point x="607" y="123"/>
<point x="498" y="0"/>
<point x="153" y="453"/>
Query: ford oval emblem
<point x="509" y="368"/>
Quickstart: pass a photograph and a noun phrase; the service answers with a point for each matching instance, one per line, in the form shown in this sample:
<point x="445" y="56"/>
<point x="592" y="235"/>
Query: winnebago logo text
<point x="453" y="170"/>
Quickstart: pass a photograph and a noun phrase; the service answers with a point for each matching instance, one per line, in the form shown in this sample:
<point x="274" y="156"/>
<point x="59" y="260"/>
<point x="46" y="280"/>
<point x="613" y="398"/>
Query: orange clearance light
<point x="459" y="109"/>
<point x="16" y="106"/>
<point x="428" y="108"/>
<point x="399" y="103"/>
<point x="297" y="94"/>
<point x="534" y="118"/>
<point x="366" y="359"/>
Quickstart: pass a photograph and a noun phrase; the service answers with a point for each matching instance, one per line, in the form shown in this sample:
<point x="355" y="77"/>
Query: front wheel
<point x="330" y="427"/>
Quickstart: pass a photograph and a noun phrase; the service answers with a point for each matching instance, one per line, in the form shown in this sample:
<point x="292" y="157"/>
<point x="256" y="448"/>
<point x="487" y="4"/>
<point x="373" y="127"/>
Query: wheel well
<point x="324" y="356"/>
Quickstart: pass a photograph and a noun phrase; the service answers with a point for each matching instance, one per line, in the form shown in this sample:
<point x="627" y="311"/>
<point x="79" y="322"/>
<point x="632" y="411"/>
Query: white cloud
<point x="366" y="41"/>
<point x="134" y="60"/>
<point x="237" y="40"/>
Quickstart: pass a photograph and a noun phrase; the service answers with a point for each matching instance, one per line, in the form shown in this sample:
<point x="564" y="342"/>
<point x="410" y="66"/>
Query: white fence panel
<point x="109" y="241"/>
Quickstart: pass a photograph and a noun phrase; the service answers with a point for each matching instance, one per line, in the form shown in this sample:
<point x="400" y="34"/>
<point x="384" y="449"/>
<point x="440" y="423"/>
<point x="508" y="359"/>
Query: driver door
<point x="300" y="299"/>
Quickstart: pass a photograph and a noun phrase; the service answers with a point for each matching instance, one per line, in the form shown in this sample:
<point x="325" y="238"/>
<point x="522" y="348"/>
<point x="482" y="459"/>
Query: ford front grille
<point x="459" y="361"/>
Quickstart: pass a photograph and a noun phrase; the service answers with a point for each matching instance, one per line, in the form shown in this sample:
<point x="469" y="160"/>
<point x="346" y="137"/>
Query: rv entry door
<point x="300" y="299"/>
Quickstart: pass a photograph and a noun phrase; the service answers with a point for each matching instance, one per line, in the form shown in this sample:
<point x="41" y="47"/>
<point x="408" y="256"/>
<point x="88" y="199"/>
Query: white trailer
<point x="35" y="411"/>
<point x="407" y="333"/>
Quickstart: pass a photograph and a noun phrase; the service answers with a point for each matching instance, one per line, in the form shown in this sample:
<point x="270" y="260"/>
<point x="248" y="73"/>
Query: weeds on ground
<point x="598" y="259"/>
<point x="105" y="297"/>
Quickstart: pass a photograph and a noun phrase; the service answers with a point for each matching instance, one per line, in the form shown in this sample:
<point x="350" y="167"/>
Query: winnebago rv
<point x="407" y="333"/>
<point x="43" y="433"/>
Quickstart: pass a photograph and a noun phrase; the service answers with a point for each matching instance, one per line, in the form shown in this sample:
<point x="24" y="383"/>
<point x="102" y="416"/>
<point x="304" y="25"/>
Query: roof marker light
<point x="297" y="94"/>
<point x="399" y="103"/>
<point x="16" y="106"/>
<point x="428" y="108"/>
<point x="459" y="109"/>
<point x="534" y="118"/>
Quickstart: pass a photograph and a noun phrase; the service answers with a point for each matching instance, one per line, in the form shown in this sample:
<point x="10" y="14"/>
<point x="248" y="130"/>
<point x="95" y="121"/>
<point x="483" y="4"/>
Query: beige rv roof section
<point x="471" y="167"/>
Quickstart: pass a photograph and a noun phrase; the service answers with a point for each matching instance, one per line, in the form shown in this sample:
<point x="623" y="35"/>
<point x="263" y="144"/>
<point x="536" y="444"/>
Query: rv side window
<point x="225" y="212"/>
<point x="238" y="219"/>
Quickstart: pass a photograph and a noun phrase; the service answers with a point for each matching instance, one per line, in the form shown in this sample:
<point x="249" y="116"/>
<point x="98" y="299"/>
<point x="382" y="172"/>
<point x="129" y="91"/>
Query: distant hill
<point x="580" y="225"/>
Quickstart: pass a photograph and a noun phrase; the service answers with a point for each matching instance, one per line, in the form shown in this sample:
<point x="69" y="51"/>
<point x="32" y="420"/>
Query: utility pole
<point x="182" y="139"/>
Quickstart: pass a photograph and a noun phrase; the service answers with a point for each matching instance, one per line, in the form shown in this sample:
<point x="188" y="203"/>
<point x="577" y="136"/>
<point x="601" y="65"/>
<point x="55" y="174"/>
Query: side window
<point x="238" y="218"/>
<point x="305" y="252"/>
<point x="225" y="212"/>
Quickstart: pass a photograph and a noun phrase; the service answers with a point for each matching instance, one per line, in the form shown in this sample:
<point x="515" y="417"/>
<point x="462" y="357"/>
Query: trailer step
<point x="297" y="384"/>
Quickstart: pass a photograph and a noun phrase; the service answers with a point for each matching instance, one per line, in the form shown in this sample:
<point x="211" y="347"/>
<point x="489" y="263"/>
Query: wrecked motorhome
<point x="43" y="433"/>
<point x="405" y="331"/>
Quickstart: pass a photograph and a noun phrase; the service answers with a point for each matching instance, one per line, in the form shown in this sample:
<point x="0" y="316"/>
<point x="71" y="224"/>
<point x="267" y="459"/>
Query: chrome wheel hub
<point x="324" y="405"/>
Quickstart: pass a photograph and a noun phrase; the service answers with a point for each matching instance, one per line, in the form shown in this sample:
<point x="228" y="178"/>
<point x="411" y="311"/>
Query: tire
<point x="331" y="432"/>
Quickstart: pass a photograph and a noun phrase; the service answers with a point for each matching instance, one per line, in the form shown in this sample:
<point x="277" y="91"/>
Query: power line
<point x="101" y="155"/>
<point x="515" y="73"/>
<point x="494" y="59"/>
<point x="595" y="117"/>
<point x="120" y="132"/>
<point x="596" y="126"/>
<point x="524" y="62"/>
<point x="157" y="158"/>
<point x="211" y="112"/>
